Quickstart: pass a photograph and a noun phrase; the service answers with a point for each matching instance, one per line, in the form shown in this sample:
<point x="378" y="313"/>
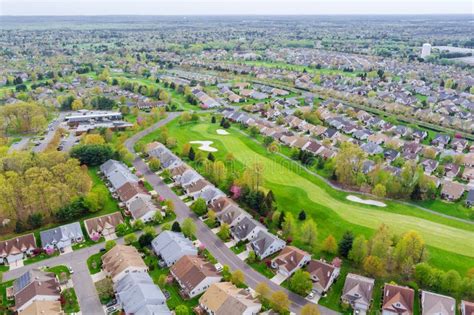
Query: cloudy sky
<point x="233" y="7"/>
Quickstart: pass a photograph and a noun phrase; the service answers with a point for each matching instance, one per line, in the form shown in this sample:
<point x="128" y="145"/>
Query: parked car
<point x="111" y="309"/>
<point x="113" y="302"/>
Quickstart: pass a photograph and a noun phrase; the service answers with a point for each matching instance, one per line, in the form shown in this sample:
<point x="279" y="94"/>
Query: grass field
<point x="451" y="242"/>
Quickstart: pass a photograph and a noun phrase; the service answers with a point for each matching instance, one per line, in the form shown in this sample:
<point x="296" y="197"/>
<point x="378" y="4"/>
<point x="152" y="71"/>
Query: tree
<point x="359" y="250"/>
<point x="181" y="310"/>
<point x="176" y="227"/>
<point x="263" y="291"/>
<point x="211" y="157"/>
<point x="145" y="240"/>
<point x="345" y="245"/>
<point x="149" y="230"/>
<point x="379" y="190"/>
<point x="154" y="164"/>
<point x="279" y="302"/>
<point x="192" y="154"/>
<point x="211" y="217"/>
<point x="110" y="244"/>
<point x="157" y="217"/>
<point x="188" y="227"/>
<point x="451" y="282"/>
<point x="77" y="104"/>
<point x="237" y="278"/>
<point x="374" y="266"/>
<point x="310" y="309"/>
<point x="252" y="257"/>
<point x="302" y="215"/>
<point x="130" y="238"/>
<point x="185" y="150"/>
<point x="162" y="280"/>
<point x="330" y="245"/>
<point x="92" y="154"/>
<point x="410" y="249"/>
<point x="301" y="282"/>
<point x="199" y="207"/>
<point x="93" y="138"/>
<point x="288" y="225"/>
<point x="348" y="163"/>
<point x="35" y="220"/>
<point x="309" y="233"/>
<point x="224" y="232"/>
<point x="121" y="229"/>
<point x="138" y="224"/>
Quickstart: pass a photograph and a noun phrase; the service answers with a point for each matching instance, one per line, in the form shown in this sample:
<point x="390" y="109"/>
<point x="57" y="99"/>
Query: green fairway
<point x="295" y="189"/>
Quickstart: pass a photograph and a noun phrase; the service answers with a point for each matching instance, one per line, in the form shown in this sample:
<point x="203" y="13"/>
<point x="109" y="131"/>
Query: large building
<point x="425" y="50"/>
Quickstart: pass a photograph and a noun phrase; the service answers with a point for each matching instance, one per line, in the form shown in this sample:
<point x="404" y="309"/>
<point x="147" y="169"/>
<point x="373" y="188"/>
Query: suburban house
<point x="14" y="250"/>
<point x="322" y="274"/>
<point x="39" y="307"/>
<point x="452" y="191"/>
<point x="35" y="285"/>
<point x="221" y="204"/>
<point x="130" y="190"/>
<point x="122" y="260"/>
<point x="231" y="215"/>
<point x="397" y="300"/>
<point x="470" y="198"/>
<point x="142" y="207"/>
<point x="468" y="174"/>
<point x="289" y="260"/>
<point x="371" y="148"/>
<point x="138" y="294"/>
<point x="194" y="275"/>
<point x="224" y="298"/>
<point x="103" y="226"/>
<point x="171" y="246"/>
<point x="467" y="308"/>
<point x="266" y="244"/>
<point x="197" y="187"/>
<point x="209" y="194"/>
<point x="117" y="174"/>
<point x="357" y="292"/>
<point x="62" y="237"/>
<point x="246" y="229"/>
<point x="433" y="303"/>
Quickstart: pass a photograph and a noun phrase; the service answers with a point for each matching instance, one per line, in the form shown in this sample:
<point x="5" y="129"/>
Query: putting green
<point x="448" y="238"/>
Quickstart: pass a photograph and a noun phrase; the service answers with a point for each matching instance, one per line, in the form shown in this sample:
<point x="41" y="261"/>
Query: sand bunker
<point x="366" y="202"/>
<point x="205" y="146"/>
<point x="222" y="132"/>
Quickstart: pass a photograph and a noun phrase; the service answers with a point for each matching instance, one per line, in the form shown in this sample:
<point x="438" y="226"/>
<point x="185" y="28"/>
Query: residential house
<point x="171" y="246"/>
<point x="441" y="141"/>
<point x="231" y="215"/>
<point x="224" y="298"/>
<point x="289" y="260"/>
<point x="103" y="226"/>
<point x="209" y="194"/>
<point x="397" y="300"/>
<point x="429" y="165"/>
<point x="468" y="173"/>
<point x="452" y="191"/>
<point x="220" y="204"/>
<point x="391" y="154"/>
<point x="246" y="229"/>
<point x="371" y="148"/>
<point x="14" y="250"/>
<point x="62" y="237"/>
<point x="138" y="294"/>
<point x="459" y="145"/>
<point x="197" y="187"/>
<point x="131" y="189"/>
<point x="35" y="285"/>
<point x="194" y="275"/>
<point x="357" y="292"/>
<point x="437" y="304"/>
<point x="122" y="260"/>
<point x="117" y="174"/>
<point x="467" y="308"/>
<point x="266" y="244"/>
<point x="470" y="198"/>
<point x="451" y="170"/>
<point x="322" y="274"/>
<point x="142" y="207"/>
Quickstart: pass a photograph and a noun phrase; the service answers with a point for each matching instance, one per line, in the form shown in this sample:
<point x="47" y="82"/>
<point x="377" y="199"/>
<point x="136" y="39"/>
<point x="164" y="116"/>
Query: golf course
<point x="450" y="242"/>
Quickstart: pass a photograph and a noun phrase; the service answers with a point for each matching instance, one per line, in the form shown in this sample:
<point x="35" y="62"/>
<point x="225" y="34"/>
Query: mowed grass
<point x="451" y="242"/>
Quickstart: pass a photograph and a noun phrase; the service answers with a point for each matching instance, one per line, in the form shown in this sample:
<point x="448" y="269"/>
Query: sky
<point x="233" y="7"/>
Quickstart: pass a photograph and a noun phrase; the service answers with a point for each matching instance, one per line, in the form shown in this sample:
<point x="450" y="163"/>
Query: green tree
<point x="237" y="278"/>
<point x="345" y="245"/>
<point x="359" y="250"/>
<point x="309" y="233"/>
<point x="310" y="309"/>
<point x="224" y="232"/>
<point x="138" y="224"/>
<point x="288" y="225"/>
<point x="301" y="282"/>
<point x="279" y="302"/>
<point x="263" y="291"/>
<point x="130" y="238"/>
<point x="374" y="266"/>
<point x="188" y="227"/>
<point x="330" y="245"/>
<point x="110" y="244"/>
<point x="176" y="227"/>
<point x="451" y="282"/>
<point x="154" y="164"/>
<point x="181" y="310"/>
<point x="199" y="207"/>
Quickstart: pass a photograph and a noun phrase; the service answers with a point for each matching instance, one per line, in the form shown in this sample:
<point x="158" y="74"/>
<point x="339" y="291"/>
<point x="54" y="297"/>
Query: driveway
<point x="215" y="246"/>
<point x="279" y="278"/>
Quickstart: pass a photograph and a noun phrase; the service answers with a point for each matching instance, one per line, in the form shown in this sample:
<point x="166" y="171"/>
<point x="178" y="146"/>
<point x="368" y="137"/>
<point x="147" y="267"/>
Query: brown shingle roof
<point x="290" y="257"/>
<point x="122" y="257"/>
<point x="398" y="299"/>
<point x="43" y="308"/>
<point x="192" y="270"/>
<point x="17" y="245"/>
<point x="320" y="271"/>
<point x="103" y="223"/>
<point x="129" y="190"/>
<point x="40" y="283"/>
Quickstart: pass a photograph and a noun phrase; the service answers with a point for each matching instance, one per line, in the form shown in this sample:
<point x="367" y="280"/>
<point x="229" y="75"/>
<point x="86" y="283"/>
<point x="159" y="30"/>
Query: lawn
<point x="451" y="242"/>
<point x="5" y="303"/>
<point x="59" y="271"/>
<point x="262" y="268"/>
<point x="71" y="305"/>
<point x="94" y="263"/>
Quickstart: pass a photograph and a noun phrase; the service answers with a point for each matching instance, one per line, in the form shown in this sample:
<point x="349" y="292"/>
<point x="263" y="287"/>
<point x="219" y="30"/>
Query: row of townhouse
<point x="358" y="294"/>
<point x="126" y="187"/>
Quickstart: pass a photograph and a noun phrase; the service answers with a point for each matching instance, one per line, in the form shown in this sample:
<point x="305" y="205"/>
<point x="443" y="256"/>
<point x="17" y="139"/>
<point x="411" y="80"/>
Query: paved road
<point x="217" y="248"/>
<point x="54" y="125"/>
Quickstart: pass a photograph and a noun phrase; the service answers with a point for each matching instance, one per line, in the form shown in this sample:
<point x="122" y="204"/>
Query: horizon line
<point x="232" y="14"/>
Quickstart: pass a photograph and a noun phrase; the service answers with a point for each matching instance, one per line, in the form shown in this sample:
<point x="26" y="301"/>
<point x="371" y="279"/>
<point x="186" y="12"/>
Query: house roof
<point x="433" y="303"/>
<point x="242" y="229"/>
<point x="105" y="222"/>
<point x="33" y="283"/>
<point x="263" y="241"/>
<point x="290" y="257"/>
<point x="122" y="257"/>
<point x="61" y="234"/>
<point x="17" y="245"/>
<point x="172" y="245"/>
<point x="358" y="289"/>
<point x="129" y="190"/>
<point x="226" y="299"/>
<point x="453" y="189"/>
<point x="140" y="206"/>
<point x="138" y="293"/>
<point x="321" y="272"/>
<point x="398" y="299"/>
<point x="192" y="270"/>
<point x="40" y="307"/>
<point x="467" y="307"/>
